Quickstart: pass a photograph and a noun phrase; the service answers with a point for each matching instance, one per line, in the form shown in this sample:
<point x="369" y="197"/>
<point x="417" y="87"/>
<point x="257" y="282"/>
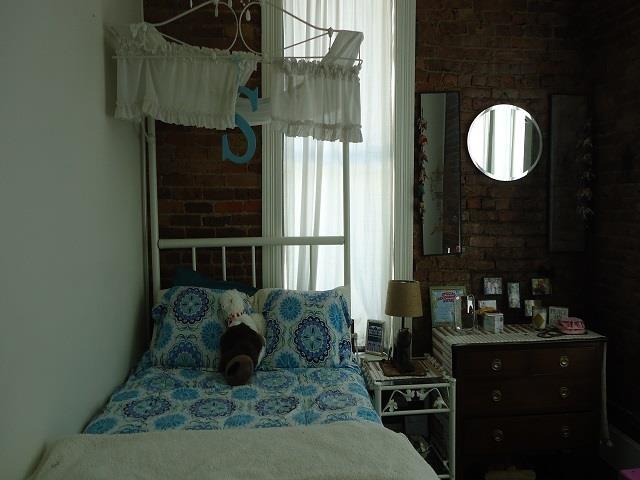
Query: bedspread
<point x="345" y="451"/>
<point x="192" y="399"/>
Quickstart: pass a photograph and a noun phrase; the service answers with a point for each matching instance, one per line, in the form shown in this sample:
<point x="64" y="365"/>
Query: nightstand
<point x="523" y="398"/>
<point x="432" y="394"/>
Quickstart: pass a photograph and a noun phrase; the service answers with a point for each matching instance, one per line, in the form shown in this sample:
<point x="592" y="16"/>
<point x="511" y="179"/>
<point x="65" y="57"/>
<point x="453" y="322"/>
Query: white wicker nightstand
<point x="433" y="393"/>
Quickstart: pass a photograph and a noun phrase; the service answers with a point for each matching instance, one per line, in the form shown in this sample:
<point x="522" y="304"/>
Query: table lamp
<point x="403" y="300"/>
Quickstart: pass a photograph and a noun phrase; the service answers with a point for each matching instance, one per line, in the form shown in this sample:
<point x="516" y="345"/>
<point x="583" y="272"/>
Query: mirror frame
<point x="540" y="144"/>
<point x="422" y="177"/>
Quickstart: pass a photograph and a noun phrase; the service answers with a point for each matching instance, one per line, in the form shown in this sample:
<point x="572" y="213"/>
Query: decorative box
<point x="493" y="322"/>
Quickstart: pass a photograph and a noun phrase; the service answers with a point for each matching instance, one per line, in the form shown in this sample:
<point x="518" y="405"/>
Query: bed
<point x="305" y="413"/>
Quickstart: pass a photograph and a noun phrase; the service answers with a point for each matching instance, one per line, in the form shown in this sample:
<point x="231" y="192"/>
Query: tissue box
<point x="493" y="322"/>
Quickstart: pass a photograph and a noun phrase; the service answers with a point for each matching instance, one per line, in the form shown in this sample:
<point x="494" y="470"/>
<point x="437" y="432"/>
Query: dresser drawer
<point x="520" y="396"/>
<point x="566" y="360"/>
<point x="492" y="363"/>
<point x="529" y="434"/>
<point x="570" y="359"/>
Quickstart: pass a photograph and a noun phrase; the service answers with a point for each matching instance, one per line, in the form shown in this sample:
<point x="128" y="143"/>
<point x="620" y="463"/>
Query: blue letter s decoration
<point x="246" y="129"/>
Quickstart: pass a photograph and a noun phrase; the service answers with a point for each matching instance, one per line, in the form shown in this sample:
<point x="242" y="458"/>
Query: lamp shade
<point x="403" y="299"/>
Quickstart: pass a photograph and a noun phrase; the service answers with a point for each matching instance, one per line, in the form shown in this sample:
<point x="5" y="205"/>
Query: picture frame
<point x="492" y="285"/>
<point x="488" y="304"/>
<point x="556" y="314"/>
<point x="376" y="337"/>
<point x="541" y="286"/>
<point x="442" y="300"/>
<point x="513" y="294"/>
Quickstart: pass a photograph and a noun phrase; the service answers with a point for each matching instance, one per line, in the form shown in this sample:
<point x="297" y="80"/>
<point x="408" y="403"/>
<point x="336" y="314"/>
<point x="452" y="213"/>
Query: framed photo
<point x="376" y="335"/>
<point x="513" y="292"/>
<point x="488" y="304"/>
<point x="492" y="285"/>
<point x="556" y="314"/>
<point x="541" y="286"/>
<point x="442" y="301"/>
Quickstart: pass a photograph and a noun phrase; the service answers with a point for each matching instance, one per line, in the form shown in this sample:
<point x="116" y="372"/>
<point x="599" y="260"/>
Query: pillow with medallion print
<point x="188" y="325"/>
<point x="306" y="329"/>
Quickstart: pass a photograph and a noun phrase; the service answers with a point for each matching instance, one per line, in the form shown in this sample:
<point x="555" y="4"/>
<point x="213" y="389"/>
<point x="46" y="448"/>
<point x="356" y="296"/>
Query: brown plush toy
<point x="242" y="345"/>
<point x="240" y="348"/>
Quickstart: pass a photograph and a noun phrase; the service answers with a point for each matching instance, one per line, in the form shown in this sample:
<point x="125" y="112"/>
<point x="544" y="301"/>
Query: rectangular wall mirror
<point x="438" y="171"/>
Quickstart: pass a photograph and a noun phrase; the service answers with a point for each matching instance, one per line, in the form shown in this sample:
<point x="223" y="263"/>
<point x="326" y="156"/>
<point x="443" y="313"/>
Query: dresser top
<point x="512" y="334"/>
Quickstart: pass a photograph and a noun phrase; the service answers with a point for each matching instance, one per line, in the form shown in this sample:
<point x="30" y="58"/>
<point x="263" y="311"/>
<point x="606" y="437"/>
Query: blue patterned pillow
<point x="306" y="329"/>
<point x="188" y="324"/>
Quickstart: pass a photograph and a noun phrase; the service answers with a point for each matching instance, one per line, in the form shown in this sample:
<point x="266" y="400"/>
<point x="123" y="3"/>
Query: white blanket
<point x="346" y="450"/>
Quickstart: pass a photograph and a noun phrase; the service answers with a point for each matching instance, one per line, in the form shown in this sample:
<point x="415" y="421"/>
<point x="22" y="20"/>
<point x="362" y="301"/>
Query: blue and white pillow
<point x="306" y="329"/>
<point x="188" y="324"/>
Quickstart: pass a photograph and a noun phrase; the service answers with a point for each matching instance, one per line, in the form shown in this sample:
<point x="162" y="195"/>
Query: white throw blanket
<point x="346" y="450"/>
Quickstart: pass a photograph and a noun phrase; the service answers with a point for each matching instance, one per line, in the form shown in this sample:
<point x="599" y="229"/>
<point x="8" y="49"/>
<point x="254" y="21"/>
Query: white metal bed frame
<point x="193" y="244"/>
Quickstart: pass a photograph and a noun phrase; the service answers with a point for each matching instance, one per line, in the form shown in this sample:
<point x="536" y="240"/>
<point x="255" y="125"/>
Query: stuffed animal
<point x="242" y="345"/>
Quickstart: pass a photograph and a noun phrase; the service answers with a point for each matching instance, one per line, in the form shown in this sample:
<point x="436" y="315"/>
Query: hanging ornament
<point x="230" y="3"/>
<point x="248" y="15"/>
<point x="216" y="10"/>
<point x="190" y="3"/>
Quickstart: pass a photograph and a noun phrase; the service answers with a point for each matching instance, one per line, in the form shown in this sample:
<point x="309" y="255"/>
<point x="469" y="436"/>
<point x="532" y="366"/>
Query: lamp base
<point x="402" y="352"/>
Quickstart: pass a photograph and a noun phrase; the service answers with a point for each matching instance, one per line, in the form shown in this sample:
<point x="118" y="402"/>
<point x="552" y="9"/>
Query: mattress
<point x="154" y="399"/>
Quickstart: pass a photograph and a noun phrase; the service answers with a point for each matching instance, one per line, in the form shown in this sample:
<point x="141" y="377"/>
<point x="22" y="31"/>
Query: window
<point x="312" y="170"/>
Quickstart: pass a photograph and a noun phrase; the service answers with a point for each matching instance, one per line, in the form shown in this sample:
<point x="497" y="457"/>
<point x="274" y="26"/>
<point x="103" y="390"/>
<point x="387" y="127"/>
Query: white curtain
<point x="312" y="170"/>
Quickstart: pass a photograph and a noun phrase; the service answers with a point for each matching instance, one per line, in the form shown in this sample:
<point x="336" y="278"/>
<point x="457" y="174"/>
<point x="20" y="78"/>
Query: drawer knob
<point x="496" y="365"/>
<point x="565" y="431"/>
<point x="496" y="395"/>
<point x="564" y="361"/>
<point x="564" y="392"/>
<point x="498" y="435"/>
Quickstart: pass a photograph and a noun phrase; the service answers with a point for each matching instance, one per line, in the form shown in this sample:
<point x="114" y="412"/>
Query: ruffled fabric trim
<point x="145" y="39"/>
<point x="177" y="117"/>
<point x="319" y="131"/>
<point x="292" y="66"/>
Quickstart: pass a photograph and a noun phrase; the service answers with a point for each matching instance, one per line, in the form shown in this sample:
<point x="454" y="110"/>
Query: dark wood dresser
<point x="520" y="396"/>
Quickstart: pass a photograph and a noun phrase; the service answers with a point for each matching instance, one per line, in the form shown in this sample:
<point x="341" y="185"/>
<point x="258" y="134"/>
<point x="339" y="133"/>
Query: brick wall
<point x="501" y="51"/>
<point x="616" y="245"/>
<point x="199" y="194"/>
<point x="491" y="51"/>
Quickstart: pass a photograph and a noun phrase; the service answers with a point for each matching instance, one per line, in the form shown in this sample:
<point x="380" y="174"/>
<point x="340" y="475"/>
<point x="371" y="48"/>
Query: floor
<point x="557" y="468"/>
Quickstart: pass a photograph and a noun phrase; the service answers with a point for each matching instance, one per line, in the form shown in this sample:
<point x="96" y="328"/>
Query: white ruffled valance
<point x="197" y="86"/>
<point x="180" y="84"/>
<point x="316" y="100"/>
<point x="320" y="99"/>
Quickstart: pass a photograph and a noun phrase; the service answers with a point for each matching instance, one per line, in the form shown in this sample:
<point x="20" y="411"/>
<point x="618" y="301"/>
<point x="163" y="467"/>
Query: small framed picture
<point x="376" y="335"/>
<point x="492" y="285"/>
<point x="488" y="304"/>
<point x="442" y="301"/>
<point x="556" y="314"/>
<point x="541" y="286"/>
<point x="529" y="305"/>
<point x="513" y="292"/>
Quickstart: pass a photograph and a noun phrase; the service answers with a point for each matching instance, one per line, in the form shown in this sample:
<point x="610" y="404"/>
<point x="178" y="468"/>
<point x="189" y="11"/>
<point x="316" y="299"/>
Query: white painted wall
<point x="71" y="276"/>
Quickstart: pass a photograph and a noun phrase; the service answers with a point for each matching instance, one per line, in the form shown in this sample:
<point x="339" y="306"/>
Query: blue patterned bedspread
<point x="182" y="398"/>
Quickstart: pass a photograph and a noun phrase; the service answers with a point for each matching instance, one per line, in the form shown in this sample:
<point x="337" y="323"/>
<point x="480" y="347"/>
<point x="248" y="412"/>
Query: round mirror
<point x="505" y="142"/>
